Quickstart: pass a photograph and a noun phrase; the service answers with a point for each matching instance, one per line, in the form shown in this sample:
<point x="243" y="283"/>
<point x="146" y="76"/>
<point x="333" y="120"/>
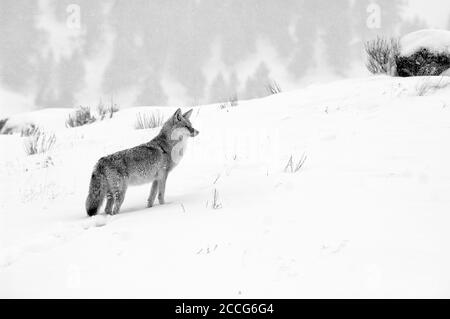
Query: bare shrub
<point x="232" y="102"/>
<point x="146" y="121"/>
<point x="273" y="88"/>
<point x="106" y="111"/>
<point x="82" y="116"/>
<point x="381" y="55"/>
<point x="429" y="85"/>
<point x="39" y="142"/>
<point x="24" y="129"/>
<point x="28" y="130"/>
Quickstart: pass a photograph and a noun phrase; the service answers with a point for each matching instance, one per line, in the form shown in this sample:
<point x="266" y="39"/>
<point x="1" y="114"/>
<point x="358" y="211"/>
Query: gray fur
<point x="146" y="163"/>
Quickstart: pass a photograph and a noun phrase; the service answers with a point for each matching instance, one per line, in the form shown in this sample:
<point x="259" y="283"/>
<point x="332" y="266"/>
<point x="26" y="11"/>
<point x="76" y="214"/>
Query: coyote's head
<point x="178" y="126"/>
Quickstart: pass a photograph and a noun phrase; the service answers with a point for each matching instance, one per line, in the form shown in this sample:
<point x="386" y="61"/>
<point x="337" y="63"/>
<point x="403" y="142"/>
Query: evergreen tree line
<point x="175" y="39"/>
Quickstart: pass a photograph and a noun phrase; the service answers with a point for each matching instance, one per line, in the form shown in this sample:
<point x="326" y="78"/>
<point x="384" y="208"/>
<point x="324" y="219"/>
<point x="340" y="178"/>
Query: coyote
<point x="148" y="162"/>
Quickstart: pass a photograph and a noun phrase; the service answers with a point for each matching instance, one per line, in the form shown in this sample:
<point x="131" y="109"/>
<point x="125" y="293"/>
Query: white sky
<point x="435" y="12"/>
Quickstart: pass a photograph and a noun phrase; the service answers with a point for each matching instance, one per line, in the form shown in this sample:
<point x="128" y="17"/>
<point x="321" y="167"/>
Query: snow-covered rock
<point x="434" y="40"/>
<point x="424" y="53"/>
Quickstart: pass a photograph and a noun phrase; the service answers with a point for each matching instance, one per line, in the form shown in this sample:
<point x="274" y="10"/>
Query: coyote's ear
<point x="177" y="115"/>
<point x="187" y="115"/>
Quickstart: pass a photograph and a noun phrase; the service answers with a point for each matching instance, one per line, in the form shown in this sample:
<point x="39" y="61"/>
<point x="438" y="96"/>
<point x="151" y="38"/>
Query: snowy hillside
<point x="367" y="215"/>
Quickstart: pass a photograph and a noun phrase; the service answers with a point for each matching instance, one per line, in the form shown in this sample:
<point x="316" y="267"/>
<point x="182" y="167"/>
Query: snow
<point x="13" y="102"/>
<point x="435" y="40"/>
<point x="51" y="119"/>
<point x="367" y="214"/>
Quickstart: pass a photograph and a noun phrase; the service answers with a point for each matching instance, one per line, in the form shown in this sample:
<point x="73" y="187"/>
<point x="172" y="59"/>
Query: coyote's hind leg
<point x="119" y="196"/>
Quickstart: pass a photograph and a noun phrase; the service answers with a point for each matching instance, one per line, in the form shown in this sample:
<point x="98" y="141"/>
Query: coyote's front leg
<point x="152" y="196"/>
<point x="162" y="189"/>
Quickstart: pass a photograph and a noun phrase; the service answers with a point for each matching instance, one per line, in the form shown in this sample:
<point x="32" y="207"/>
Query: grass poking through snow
<point x="39" y="142"/>
<point x="429" y="85"/>
<point x="216" y="203"/>
<point x="146" y="121"/>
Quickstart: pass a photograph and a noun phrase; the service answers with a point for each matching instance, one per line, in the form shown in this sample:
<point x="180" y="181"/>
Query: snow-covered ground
<point x="367" y="215"/>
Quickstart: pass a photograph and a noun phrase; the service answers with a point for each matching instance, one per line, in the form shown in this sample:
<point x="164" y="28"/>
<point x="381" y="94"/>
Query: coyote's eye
<point x="189" y="128"/>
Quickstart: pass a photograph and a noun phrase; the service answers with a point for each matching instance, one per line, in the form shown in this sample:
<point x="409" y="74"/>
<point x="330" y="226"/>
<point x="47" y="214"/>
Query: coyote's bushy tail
<point x="96" y="192"/>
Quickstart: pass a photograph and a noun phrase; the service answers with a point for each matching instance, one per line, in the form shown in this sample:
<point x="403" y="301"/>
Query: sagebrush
<point x="106" y="111"/>
<point x="232" y="101"/>
<point x="82" y="116"/>
<point x="28" y="130"/>
<point x="39" y="142"/>
<point x="382" y="54"/>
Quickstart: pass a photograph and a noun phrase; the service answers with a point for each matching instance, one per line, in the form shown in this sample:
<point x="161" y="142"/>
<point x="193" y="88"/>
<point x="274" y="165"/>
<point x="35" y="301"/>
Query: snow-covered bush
<point x="106" y="111"/>
<point x="82" y="116"/>
<point x="232" y="101"/>
<point x="146" y="121"/>
<point x="39" y="142"/>
<point x="381" y="55"/>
